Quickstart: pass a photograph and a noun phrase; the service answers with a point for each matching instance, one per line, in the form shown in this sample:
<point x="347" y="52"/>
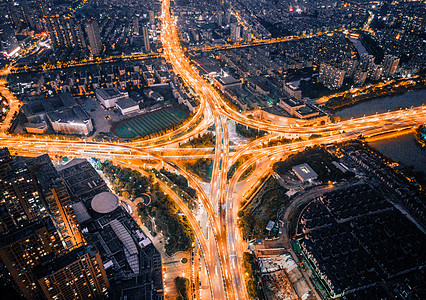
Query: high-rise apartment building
<point x="390" y="64"/>
<point x="23" y="249"/>
<point x="235" y="32"/>
<point x="8" y="42"/>
<point x="146" y="39"/>
<point x="20" y="201"/>
<point x="94" y="35"/>
<point x="151" y="16"/>
<point x="56" y="27"/>
<point x="78" y="274"/>
<point x="29" y="15"/>
<point x="136" y="26"/>
<point x="331" y="77"/>
<point x="247" y="35"/>
<point x="56" y="200"/>
<point x="42" y="252"/>
<point x="219" y="18"/>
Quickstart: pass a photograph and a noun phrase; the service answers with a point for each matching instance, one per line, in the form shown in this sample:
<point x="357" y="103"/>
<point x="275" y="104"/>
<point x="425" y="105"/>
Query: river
<point x="403" y="148"/>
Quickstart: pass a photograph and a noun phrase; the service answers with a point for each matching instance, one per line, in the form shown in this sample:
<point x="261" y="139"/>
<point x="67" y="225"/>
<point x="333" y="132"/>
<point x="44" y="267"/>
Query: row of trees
<point x="248" y="264"/>
<point x="373" y="92"/>
<point x="249" y="132"/>
<point x="165" y="214"/>
<point x="189" y="194"/>
<point x="205" y="140"/>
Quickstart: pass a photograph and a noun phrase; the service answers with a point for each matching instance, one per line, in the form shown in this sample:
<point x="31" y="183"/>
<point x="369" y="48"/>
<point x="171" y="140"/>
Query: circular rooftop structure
<point x="105" y="202"/>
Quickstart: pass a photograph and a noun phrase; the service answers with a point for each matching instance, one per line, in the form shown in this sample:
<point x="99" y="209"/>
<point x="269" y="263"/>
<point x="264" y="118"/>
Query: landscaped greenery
<point x="202" y="141"/>
<point x="262" y="208"/>
<point x="165" y="214"/>
<point x="248" y="260"/>
<point x="4" y="108"/>
<point x="200" y="167"/>
<point x="319" y="160"/>
<point x="182" y="286"/>
<point x="249" y="132"/>
<point x="158" y="121"/>
<point x="162" y="210"/>
<point x="240" y="161"/>
<point x="125" y="182"/>
<point x="183" y="185"/>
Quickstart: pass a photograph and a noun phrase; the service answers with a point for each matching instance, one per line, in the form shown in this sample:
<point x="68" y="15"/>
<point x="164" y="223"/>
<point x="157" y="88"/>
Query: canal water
<point x="403" y="148"/>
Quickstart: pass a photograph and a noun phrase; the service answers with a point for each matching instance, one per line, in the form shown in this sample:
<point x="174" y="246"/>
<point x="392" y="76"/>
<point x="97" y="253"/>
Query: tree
<point x="182" y="285"/>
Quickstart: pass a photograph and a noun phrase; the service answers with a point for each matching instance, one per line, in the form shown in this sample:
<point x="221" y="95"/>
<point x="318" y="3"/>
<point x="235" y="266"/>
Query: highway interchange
<point x="223" y="253"/>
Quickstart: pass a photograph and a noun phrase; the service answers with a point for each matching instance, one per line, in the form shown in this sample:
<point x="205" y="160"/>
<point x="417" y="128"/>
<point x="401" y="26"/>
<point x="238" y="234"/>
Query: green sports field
<point x="149" y="123"/>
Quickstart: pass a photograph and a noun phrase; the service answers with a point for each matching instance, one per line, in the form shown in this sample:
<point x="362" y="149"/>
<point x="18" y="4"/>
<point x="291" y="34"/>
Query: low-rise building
<point x="61" y="111"/>
<point x="304" y="172"/>
<point x="127" y="106"/>
<point x="293" y="91"/>
<point x="225" y="81"/>
<point x="154" y="95"/>
<point x="109" y="96"/>
<point x="71" y="121"/>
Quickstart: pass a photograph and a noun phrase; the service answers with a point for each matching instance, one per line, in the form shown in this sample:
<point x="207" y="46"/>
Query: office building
<point x="292" y="91"/>
<point x="331" y="77"/>
<point x="304" y="172"/>
<point x="61" y="111"/>
<point x="146" y="39"/>
<point x="132" y="263"/>
<point x="79" y="274"/>
<point x="95" y="41"/>
<point x="127" y="106"/>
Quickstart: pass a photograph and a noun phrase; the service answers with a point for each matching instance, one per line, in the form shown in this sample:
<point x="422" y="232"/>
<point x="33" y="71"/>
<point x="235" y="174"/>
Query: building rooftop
<point x="278" y="111"/>
<point x="292" y="102"/>
<point x="110" y="93"/>
<point x="82" y="179"/>
<point x="305" y="172"/>
<point x="105" y="202"/>
<point x="61" y="262"/>
<point x="226" y="80"/>
<point x="45" y="105"/>
<point x="69" y="115"/>
<point x="126" y="103"/>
